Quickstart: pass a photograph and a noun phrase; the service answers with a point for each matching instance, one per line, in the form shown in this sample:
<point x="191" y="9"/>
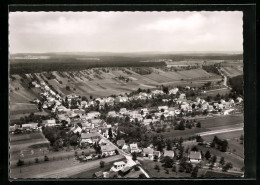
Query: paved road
<point x="128" y="157"/>
<point x="220" y="131"/>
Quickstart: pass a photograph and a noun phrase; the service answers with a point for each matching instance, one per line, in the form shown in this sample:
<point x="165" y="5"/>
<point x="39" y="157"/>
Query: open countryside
<point x="184" y="109"/>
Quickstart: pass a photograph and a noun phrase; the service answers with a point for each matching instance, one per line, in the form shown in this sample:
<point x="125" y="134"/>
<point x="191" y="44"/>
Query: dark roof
<point x="195" y="155"/>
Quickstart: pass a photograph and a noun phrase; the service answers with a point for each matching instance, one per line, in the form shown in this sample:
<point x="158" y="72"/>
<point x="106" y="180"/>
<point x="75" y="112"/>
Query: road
<point x="128" y="157"/>
<point x="220" y="131"/>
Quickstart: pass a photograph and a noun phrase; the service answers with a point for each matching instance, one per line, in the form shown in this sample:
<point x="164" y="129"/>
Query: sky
<point x="39" y="32"/>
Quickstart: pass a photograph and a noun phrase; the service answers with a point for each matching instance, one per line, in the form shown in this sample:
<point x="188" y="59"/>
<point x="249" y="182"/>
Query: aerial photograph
<point x="126" y="95"/>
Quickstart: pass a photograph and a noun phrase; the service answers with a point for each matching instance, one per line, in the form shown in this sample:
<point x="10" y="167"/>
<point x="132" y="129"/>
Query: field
<point x="60" y="168"/>
<point x="232" y="70"/>
<point x="213" y="174"/>
<point x="148" y="166"/>
<point x="208" y="124"/>
<point x="25" y="143"/>
<point x="89" y="173"/>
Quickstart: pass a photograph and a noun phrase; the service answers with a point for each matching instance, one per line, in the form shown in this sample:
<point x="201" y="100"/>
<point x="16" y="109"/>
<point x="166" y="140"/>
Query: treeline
<point x="37" y="66"/>
<point x="211" y="69"/>
<point x="237" y="84"/>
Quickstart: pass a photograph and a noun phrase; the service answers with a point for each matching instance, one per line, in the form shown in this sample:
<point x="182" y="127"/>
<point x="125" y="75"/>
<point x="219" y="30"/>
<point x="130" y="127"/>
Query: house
<point x="107" y="150"/>
<point x="89" y="138"/>
<point x="157" y="92"/>
<point x="147" y="121"/>
<point x="145" y="111"/>
<point x="30" y="126"/>
<point x="148" y="152"/>
<point x="177" y="112"/>
<point x="194" y="157"/>
<point x="173" y="91"/>
<point x="112" y="114"/>
<point x="134" y="148"/>
<point x="123" y="111"/>
<point x="120" y="143"/>
<point x="157" y="153"/>
<point x="76" y="129"/>
<point x="124" y="171"/>
<point x="98" y="174"/>
<point x="163" y="108"/>
<point x="118" y="166"/>
<point x="126" y="148"/>
<point x="182" y="96"/>
<point x="49" y="123"/>
<point x="239" y="100"/>
<point x="168" y="153"/>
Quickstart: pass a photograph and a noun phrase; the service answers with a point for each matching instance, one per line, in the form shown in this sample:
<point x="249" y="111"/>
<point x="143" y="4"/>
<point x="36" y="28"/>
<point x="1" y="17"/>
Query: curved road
<point x="128" y="157"/>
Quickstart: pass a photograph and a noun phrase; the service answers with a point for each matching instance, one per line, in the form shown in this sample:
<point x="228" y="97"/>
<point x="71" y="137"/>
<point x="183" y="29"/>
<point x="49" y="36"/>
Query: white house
<point x="49" y="123"/>
<point x="173" y="91"/>
<point x="134" y="148"/>
<point x="194" y="157"/>
<point x="118" y="166"/>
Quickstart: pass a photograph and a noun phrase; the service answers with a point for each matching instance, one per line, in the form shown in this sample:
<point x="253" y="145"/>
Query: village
<point x="117" y="125"/>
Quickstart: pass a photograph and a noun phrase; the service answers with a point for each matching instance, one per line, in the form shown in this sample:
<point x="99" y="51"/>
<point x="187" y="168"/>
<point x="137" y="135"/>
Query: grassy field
<point x="236" y="161"/>
<point x="222" y="121"/>
<point x="214" y="174"/>
<point x="25" y="143"/>
<point x="148" y="166"/>
<point x="59" y="168"/>
<point x="89" y="173"/>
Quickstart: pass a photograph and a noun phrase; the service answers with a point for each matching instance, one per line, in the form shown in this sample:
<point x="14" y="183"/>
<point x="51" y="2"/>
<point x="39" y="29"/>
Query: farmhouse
<point x="134" y="148"/>
<point x="168" y="153"/>
<point x="112" y="114"/>
<point x="163" y="108"/>
<point x="126" y="148"/>
<point x="118" y="166"/>
<point x="107" y="150"/>
<point x="194" y="157"/>
<point x="29" y="126"/>
<point x="182" y="96"/>
<point x="89" y="138"/>
<point x="157" y="92"/>
<point x="49" y="123"/>
<point x="148" y="152"/>
<point x="173" y="91"/>
<point x="123" y="111"/>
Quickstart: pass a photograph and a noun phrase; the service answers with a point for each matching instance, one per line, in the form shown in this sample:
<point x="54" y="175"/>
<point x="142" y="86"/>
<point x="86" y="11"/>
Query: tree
<point x="194" y="172"/>
<point x="241" y="139"/>
<point x="213" y="159"/>
<point x="110" y="133"/>
<point x="156" y="167"/>
<point x="226" y="167"/>
<point x="188" y="167"/>
<point x="168" y="162"/>
<point x="142" y="176"/>
<point x="46" y="158"/>
<point x="174" y="168"/>
<point x="169" y="144"/>
<point x="207" y="155"/>
<point x="155" y="158"/>
<point x="224" y="146"/>
<point x="102" y="164"/>
<point x="199" y="139"/>
<point x="198" y="125"/>
<point x="116" y="151"/>
<point x="222" y="161"/>
<point x="73" y="140"/>
<point x="165" y="89"/>
<point x="134" y="156"/>
<point x="36" y="160"/>
<point x="20" y="162"/>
